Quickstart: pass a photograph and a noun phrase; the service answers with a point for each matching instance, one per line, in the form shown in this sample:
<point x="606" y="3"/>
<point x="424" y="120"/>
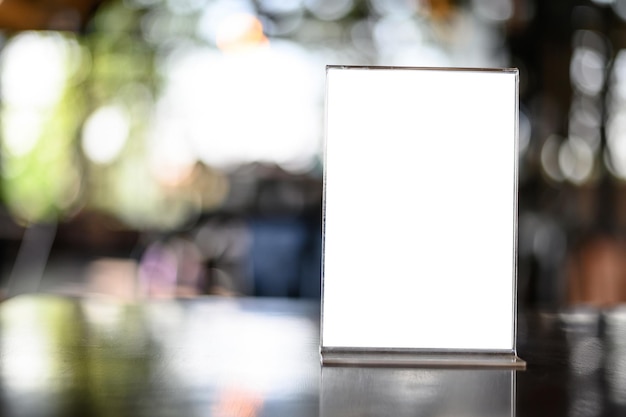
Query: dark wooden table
<point x="68" y="357"/>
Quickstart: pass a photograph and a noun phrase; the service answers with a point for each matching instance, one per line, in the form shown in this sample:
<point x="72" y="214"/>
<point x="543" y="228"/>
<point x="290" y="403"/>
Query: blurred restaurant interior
<point x="174" y="148"/>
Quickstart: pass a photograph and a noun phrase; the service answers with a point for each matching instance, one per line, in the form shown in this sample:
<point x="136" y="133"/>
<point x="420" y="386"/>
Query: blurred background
<point x="159" y="148"/>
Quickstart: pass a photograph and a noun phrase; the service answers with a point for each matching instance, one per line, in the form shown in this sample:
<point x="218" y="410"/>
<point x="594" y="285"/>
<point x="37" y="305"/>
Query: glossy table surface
<point x="212" y="356"/>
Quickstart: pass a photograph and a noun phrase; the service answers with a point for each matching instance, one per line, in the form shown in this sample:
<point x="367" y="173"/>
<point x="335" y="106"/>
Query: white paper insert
<point x="420" y="209"/>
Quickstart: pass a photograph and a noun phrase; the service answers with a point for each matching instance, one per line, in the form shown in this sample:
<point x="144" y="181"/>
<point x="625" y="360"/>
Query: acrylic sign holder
<point x="420" y="217"/>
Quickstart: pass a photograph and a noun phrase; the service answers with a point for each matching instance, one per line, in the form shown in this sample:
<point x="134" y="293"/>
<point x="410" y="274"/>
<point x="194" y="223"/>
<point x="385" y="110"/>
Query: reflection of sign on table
<point x="420" y="211"/>
<point x="357" y="391"/>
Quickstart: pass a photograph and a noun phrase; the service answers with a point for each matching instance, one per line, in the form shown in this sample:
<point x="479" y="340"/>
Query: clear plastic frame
<point x="420" y="213"/>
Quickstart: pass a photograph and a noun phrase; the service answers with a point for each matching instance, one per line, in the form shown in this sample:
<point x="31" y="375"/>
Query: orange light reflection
<point x="240" y="32"/>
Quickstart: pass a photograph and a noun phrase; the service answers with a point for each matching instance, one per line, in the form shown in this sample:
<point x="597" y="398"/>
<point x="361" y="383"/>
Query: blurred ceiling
<point x="66" y="15"/>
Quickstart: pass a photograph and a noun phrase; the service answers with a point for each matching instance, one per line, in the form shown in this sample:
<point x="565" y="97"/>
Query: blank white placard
<point x="420" y="209"/>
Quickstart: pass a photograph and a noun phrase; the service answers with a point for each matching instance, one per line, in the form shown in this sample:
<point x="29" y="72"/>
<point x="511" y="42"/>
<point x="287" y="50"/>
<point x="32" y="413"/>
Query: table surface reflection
<point x="211" y="356"/>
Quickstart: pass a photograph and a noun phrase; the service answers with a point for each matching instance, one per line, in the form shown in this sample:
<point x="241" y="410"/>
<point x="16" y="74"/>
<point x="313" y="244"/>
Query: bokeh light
<point x="585" y="120"/>
<point x="576" y="160"/>
<point x="256" y="104"/>
<point x="105" y="134"/>
<point x="23" y="82"/>
<point x="41" y="180"/>
<point x="616" y="135"/>
<point x="587" y="70"/>
<point x="550" y="158"/>
<point x="28" y="93"/>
